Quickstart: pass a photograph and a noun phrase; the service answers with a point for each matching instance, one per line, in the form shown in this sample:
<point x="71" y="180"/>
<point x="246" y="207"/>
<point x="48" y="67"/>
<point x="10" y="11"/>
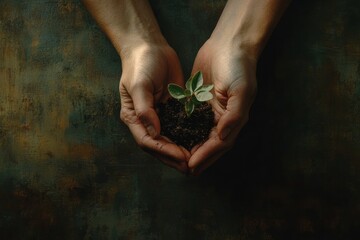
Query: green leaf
<point x="205" y="88"/>
<point x="197" y="81"/>
<point x="176" y="91"/>
<point x="195" y="101"/>
<point x="187" y="93"/>
<point x="189" y="108"/>
<point x="188" y="84"/>
<point x="203" y="96"/>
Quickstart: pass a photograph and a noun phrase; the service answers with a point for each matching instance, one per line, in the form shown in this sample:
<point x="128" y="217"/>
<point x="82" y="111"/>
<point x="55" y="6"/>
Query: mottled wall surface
<point x="69" y="169"/>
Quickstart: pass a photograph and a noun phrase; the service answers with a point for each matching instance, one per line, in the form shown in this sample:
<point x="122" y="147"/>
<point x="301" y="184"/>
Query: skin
<point x="228" y="60"/>
<point x="233" y="76"/>
<point x="148" y="65"/>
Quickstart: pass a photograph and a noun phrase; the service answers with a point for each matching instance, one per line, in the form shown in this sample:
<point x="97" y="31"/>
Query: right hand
<point x="233" y="73"/>
<point x="146" y="71"/>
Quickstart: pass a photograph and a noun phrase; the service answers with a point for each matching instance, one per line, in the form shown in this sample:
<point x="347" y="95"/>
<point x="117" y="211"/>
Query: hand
<point x="147" y="70"/>
<point x="233" y="73"/>
<point x="149" y="64"/>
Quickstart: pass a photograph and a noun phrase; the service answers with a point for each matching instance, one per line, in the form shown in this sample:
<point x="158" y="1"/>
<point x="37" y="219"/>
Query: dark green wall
<point x="69" y="169"/>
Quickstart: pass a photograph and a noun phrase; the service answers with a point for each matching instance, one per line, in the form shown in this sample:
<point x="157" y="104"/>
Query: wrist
<point x="235" y="45"/>
<point x="127" y="23"/>
<point x="132" y="38"/>
<point x="247" y="24"/>
<point x="138" y="44"/>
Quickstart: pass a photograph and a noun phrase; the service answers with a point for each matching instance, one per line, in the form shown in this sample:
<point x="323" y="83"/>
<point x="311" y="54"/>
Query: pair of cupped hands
<point x="148" y="68"/>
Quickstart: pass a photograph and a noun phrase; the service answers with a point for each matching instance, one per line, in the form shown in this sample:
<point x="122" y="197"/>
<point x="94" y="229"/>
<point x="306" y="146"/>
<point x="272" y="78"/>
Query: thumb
<point x="144" y="107"/>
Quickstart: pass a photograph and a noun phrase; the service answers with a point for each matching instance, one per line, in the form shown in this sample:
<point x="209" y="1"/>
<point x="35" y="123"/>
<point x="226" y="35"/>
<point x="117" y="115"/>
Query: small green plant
<point x="194" y="93"/>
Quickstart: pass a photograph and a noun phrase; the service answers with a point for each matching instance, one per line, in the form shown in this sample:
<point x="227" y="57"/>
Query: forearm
<point x="247" y="24"/>
<point x="126" y="22"/>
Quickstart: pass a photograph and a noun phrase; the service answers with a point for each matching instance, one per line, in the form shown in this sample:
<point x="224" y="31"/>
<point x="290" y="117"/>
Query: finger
<point x="240" y="98"/>
<point x="143" y="101"/>
<point x="159" y="146"/>
<point x="200" y="169"/>
<point x="236" y="113"/>
<point x="186" y="153"/>
<point x="211" y="151"/>
<point x="180" y="166"/>
<point x="210" y="148"/>
<point x="195" y="148"/>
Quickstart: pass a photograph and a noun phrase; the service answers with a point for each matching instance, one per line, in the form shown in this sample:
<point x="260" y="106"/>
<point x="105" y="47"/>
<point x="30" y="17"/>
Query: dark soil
<point x="183" y="130"/>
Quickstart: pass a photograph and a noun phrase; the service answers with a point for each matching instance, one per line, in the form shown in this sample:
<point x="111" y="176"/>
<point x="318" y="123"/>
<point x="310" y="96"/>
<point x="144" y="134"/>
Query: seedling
<point x="194" y="94"/>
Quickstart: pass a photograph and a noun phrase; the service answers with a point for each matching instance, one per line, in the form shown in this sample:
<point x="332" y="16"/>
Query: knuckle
<point x="128" y="117"/>
<point x="140" y="113"/>
<point x="143" y="143"/>
<point x="159" y="146"/>
<point x="125" y="116"/>
<point x="122" y="88"/>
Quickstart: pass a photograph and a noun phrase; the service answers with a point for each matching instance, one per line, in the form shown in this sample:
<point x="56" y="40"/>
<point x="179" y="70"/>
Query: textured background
<point x="69" y="169"/>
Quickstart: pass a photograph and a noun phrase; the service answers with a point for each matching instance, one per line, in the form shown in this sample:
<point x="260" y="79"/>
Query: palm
<point x="233" y="77"/>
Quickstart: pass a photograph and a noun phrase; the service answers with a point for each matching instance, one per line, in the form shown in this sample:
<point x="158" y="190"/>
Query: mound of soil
<point x="183" y="130"/>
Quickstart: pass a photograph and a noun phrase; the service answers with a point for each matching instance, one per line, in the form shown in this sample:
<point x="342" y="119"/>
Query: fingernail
<point x="225" y="133"/>
<point x="151" y="130"/>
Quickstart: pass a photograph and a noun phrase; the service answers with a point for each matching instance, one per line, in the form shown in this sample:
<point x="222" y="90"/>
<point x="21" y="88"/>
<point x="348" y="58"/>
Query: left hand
<point x="233" y="73"/>
<point x="147" y="70"/>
